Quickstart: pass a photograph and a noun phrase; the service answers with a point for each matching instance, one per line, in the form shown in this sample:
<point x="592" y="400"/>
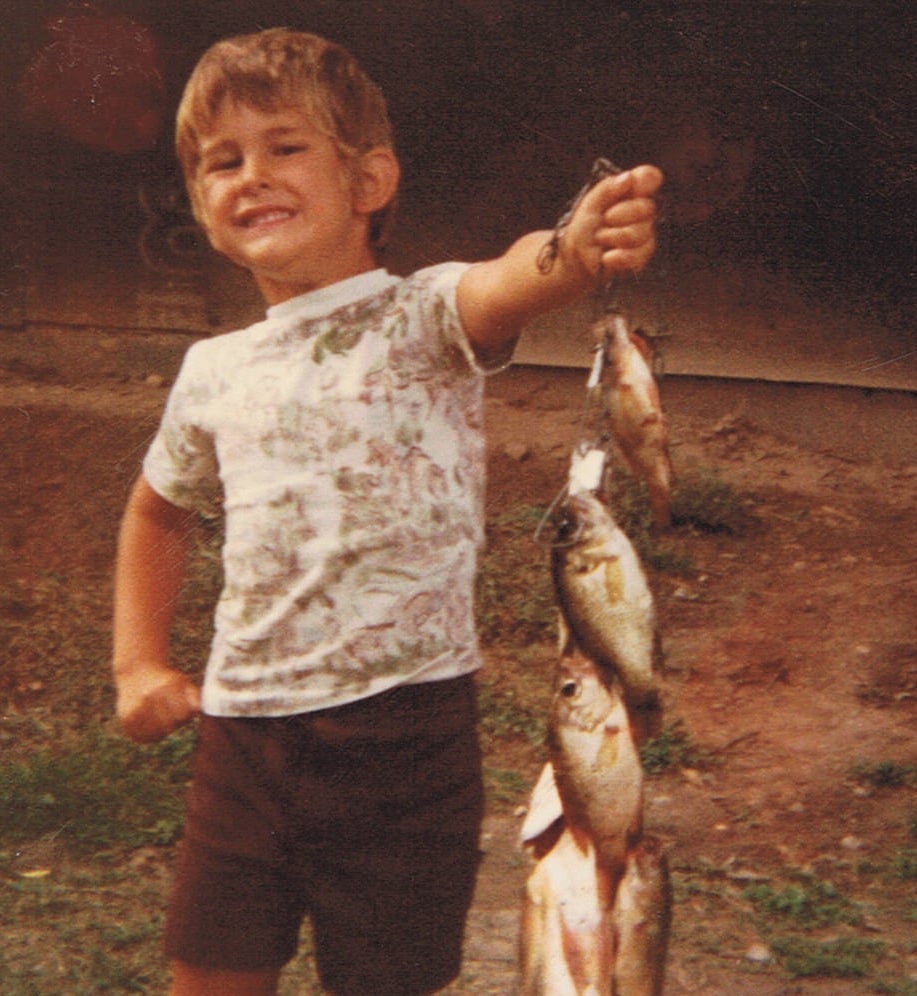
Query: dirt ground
<point x="791" y="659"/>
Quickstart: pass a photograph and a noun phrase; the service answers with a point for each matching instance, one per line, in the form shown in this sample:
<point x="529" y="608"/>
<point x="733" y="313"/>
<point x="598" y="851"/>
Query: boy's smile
<point x="275" y="195"/>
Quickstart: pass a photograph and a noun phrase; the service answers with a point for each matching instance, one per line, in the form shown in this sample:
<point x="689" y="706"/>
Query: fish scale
<point x="606" y="606"/>
<point x="596" y="766"/>
<point x="633" y="407"/>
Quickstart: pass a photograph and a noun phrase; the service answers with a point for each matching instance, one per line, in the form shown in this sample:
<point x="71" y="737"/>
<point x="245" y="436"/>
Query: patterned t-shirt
<point x="342" y="438"/>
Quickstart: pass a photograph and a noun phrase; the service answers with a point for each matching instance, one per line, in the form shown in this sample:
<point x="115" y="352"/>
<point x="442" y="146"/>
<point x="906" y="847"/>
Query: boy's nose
<point x="255" y="173"/>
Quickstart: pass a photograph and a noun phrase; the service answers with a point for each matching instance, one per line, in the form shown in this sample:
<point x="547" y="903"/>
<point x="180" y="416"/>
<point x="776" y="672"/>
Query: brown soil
<point x="790" y="647"/>
<point x="791" y="658"/>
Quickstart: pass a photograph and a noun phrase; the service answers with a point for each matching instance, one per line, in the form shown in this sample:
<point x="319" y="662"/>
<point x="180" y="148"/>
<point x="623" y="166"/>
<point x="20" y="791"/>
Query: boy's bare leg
<point x="187" y="980"/>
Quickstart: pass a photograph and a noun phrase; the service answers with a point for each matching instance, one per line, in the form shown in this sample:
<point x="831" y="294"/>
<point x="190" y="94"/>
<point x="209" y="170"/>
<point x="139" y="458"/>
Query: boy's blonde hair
<point x="281" y="68"/>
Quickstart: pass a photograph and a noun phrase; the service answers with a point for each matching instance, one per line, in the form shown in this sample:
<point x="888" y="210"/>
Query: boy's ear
<point x="377" y="177"/>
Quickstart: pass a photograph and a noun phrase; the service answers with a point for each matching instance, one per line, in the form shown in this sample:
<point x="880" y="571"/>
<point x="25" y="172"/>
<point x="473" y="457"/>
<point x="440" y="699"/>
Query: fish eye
<point x="569" y="688"/>
<point x="564" y="522"/>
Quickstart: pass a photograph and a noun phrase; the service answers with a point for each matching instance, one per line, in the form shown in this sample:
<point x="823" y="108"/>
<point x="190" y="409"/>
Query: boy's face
<point x="275" y="196"/>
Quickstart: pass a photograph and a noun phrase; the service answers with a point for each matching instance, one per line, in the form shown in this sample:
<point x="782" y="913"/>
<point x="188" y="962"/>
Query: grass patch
<point x="505" y="786"/>
<point x="904" y="864"/>
<point x="672" y="748"/>
<point x="845" y="957"/>
<point x="885" y="774"/>
<point x="808" y="904"/>
<point x="904" y="987"/>
<point x="703" y="500"/>
<point x="81" y="933"/>
<point x="515" y="594"/>
<point x="503" y="716"/>
<point x="96" y="792"/>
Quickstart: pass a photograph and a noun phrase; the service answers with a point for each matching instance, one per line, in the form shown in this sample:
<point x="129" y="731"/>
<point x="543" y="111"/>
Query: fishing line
<point x="600" y="169"/>
<point x="545" y="260"/>
<point x="592" y="451"/>
<point x="548" y="516"/>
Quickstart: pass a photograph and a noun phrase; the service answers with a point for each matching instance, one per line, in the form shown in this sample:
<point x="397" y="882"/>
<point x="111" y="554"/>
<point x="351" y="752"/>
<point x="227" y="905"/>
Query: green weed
<point x="885" y="774"/>
<point x="841" y="958"/>
<point x="81" y="932"/>
<point x="503" y="717"/>
<point x="703" y="500"/>
<point x="672" y="748"/>
<point x="904" y="864"/>
<point x="95" y="792"/>
<point x="700" y="878"/>
<point x="515" y="594"/>
<point x="667" y="561"/>
<point x="629" y="502"/>
<point x="903" y="987"/>
<point x="808" y="904"/>
<point x="505" y="786"/>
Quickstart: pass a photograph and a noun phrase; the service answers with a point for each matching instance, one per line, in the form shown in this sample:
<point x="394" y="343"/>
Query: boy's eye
<point x="222" y="165"/>
<point x="289" y="149"/>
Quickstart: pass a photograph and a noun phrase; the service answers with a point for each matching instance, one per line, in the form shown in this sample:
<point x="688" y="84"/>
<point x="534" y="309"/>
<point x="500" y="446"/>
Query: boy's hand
<point x="154" y="702"/>
<point x="614" y="228"/>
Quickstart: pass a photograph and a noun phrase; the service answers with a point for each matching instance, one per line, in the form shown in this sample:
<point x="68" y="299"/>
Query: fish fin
<point x="545" y="807"/>
<point x="565" y="641"/>
<point x="532" y="935"/>
<point x="638" y="341"/>
<point x="659" y="483"/>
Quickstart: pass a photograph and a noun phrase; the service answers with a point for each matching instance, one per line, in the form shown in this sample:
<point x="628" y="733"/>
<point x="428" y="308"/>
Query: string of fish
<point x="593" y="447"/>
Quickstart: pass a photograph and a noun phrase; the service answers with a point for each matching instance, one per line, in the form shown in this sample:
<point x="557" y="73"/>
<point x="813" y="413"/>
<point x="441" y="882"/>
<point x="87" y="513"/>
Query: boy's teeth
<point x="262" y="219"/>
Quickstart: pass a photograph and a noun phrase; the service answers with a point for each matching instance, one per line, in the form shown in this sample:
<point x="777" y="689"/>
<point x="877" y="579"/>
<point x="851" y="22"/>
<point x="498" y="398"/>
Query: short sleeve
<point x="181" y="463"/>
<point x="443" y="297"/>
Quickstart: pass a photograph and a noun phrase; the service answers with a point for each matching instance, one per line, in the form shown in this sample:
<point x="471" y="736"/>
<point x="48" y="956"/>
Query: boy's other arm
<point x="153" y="699"/>
<point x="611" y="231"/>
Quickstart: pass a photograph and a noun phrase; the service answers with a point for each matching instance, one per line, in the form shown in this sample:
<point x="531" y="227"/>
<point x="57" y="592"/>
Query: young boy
<point x="337" y="773"/>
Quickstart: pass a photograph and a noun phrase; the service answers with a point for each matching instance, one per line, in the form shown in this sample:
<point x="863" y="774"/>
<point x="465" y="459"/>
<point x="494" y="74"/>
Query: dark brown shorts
<point x="366" y="818"/>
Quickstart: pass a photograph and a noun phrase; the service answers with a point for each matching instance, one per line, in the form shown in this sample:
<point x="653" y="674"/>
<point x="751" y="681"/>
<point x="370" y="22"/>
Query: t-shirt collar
<point x="317" y="303"/>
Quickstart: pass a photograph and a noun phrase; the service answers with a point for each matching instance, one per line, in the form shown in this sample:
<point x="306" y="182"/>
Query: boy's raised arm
<point x="154" y="700"/>
<point x="611" y="231"/>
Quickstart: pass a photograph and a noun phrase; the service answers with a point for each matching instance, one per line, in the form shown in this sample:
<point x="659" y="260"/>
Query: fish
<point x="606" y="606"/>
<point x="566" y="934"/>
<point x="596" y="767"/>
<point x="638" y="424"/>
<point x="641" y="918"/>
<point x="585" y="818"/>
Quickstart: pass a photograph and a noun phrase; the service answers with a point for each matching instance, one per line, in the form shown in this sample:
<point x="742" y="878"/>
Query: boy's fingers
<point x="631" y="256"/>
<point x="628" y="236"/>
<point x="634" y="211"/>
<point x="646" y="180"/>
<point x="627" y="192"/>
<point x="193" y="697"/>
<point x="610" y="191"/>
<point x="162" y="712"/>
